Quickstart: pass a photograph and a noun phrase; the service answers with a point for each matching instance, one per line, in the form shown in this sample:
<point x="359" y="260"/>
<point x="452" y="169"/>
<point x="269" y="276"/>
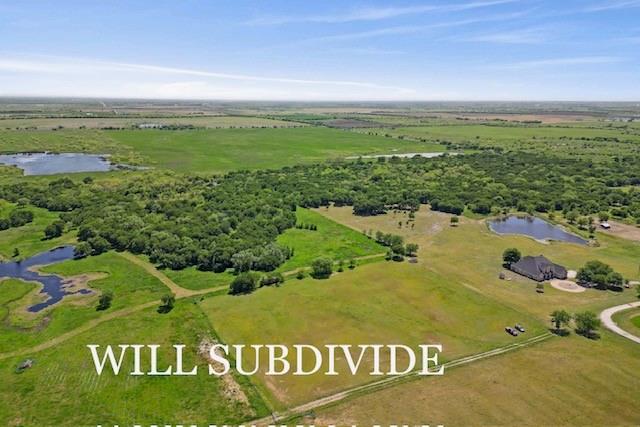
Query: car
<point x="519" y="327"/>
<point x="511" y="331"/>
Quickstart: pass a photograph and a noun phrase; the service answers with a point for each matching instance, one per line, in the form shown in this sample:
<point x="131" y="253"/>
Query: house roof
<point x="535" y="265"/>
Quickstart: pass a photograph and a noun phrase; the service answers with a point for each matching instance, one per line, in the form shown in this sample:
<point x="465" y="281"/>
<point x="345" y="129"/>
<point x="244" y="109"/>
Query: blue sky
<point x="323" y="50"/>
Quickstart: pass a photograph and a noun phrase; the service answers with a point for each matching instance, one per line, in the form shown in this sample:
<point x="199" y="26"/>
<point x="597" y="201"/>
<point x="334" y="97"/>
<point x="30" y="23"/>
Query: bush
<point x="300" y="275"/>
<point x="586" y="324"/>
<point x="272" y="279"/>
<point x="104" y="302"/>
<point x="98" y="245"/>
<point x="55" y="229"/>
<point x="168" y="302"/>
<point x="321" y="268"/>
<point x="244" y="283"/>
<point x="20" y="217"/>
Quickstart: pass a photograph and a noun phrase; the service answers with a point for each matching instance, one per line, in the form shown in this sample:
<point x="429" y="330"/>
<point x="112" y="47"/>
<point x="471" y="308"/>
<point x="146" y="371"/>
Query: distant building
<point x="150" y="126"/>
<point x="605" y="225"/>
<point x="539" y="268"/>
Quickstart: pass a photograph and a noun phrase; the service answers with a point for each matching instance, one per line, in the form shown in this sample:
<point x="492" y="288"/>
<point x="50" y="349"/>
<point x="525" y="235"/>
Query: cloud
<point x="555" y="62"/>
<point x="375" y="13"/>
<point x="613" y="5"/>
<point x="408" y="29"/>
<point x="55" y="76"/>
<point x="524" y="36"/>
<point x="84" y="66"/>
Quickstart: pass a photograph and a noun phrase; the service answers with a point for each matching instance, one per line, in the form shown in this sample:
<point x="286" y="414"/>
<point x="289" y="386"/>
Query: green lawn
<point x="63" y="389"/>
<point x="223" y="150"/>
<point x="381" y="303"/>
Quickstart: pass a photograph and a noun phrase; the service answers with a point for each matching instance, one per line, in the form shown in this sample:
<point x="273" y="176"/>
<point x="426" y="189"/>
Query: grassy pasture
<point x="223" y="150"/>
<point x="568" y="381"/>
<point x="130" y="284"/>
<point x="472" y="254"/>
<point x="63" y="389"/>
<point x="29" y="239"/>
<point x="566" y="140"/>
<point x="103" y="122"/>
<point x="381" y="303"/>
<point x="331" y="240"/>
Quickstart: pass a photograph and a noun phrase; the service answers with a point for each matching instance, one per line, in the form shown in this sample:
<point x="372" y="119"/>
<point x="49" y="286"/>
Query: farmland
<point x="237" y="195"/>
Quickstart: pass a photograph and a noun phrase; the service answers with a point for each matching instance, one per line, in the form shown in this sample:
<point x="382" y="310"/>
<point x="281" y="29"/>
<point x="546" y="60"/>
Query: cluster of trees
<point x="55" y="229"/>
<point x="232" y="221"/>
<point x="17" y="218"/>
<point x="601" y="276"/>
<point x="586" y="322"/>
<point x="511" y="256"/>
<point x="247" y="282"/>
<point x="395" y="243"/>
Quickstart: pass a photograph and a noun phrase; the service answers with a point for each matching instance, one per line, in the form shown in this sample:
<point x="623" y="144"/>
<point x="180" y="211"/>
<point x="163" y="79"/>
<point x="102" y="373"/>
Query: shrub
<point x="244" y="283"/>
<point x="321" y="268"/>
<point x="104" y="302"/>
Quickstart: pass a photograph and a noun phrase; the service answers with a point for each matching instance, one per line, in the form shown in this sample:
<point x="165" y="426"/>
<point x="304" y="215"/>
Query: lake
<point x="51" y="163"/>
<point x="533" y="227"/>
<point x="53" y="286"/>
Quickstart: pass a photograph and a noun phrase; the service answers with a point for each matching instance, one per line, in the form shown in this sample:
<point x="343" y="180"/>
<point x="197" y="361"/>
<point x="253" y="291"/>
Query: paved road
<point x="607" y="321"/>
<point x="387" y="382"/>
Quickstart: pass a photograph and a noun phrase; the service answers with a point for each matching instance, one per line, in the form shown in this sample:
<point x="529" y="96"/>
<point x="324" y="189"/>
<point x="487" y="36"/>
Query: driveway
<point x="607" y="321"/>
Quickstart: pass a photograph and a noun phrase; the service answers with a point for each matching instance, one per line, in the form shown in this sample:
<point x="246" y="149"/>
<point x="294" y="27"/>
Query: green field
<point x="385" y="303"/>
<point x="573" y="141"/>
<point x="34" y="397"/>
<point x="230" y="149"/>
<point x="331" y="240"/>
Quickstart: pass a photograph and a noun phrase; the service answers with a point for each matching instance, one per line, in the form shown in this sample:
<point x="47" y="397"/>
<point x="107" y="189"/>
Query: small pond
<point x="53" y="286"/>
<point x="533" y="227"/>
<point x="50" y="163"/>
<point x="403" y="155"/>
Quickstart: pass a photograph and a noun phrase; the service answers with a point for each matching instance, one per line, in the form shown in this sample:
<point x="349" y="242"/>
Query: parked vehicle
<point x="519" y="327"/>
<point x="511" y="331"/>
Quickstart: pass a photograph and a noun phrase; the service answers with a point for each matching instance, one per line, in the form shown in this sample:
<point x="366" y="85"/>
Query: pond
<point x="429" y="155"/>
<point x="533" y="227"/>
<point x="53" y="286"/>
<point x="50" y="163"/>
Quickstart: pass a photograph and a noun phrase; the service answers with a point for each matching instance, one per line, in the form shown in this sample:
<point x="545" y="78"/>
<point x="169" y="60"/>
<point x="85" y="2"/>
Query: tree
<point x="615" y="281"/>
<point x="244" y="283"/>
<point x="300" y="275"/>
<point x="560" y="318"/>
<point x="98" y="245"/>
<point x="454" y="220"/>
<point x="104" y="302"/>
<point x="511" y="256"/>
<point x="55" y="229"/>
<point x="411" y="249"/>
<point x="168" y="302"/>
<point x="352" y="264"/>
<point x="82" y="249"/>
<point x="595" y="273"/>
<point x="603" y="216"/>
<point x="16" y="252"/>
<point x="586" y="323"/>
<point x="572" y="217"/>
<point x="20" y="217"/>
<point x="321" y="268"/>
<point x="272" y="279"/>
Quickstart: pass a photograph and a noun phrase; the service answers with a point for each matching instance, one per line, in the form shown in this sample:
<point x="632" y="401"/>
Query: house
<point x="539" y="268"/>
<point x="605" y="225"/>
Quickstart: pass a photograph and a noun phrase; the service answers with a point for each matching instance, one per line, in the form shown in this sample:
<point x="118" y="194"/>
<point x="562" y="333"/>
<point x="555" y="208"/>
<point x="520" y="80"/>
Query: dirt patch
<point x="625" y="231"/>
<point x="567" y="286"/>
<point x="230" y="387"/>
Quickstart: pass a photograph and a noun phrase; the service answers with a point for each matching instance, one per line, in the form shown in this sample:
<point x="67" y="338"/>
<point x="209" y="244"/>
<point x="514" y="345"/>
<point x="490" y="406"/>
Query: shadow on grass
<point x="562" y="332"/>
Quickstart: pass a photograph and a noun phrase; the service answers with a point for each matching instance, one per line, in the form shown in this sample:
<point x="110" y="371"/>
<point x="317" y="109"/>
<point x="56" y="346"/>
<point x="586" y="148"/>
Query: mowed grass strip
<point x="63" y="389"/>
<point x="562" y="381"/>
<point x="222" y="150"/>
<point x="380" y="303"/>
<point x="130" y="285"/>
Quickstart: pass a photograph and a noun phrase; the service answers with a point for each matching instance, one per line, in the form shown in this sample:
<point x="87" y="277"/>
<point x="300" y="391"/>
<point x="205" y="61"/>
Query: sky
<point x="520" y="50"/>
